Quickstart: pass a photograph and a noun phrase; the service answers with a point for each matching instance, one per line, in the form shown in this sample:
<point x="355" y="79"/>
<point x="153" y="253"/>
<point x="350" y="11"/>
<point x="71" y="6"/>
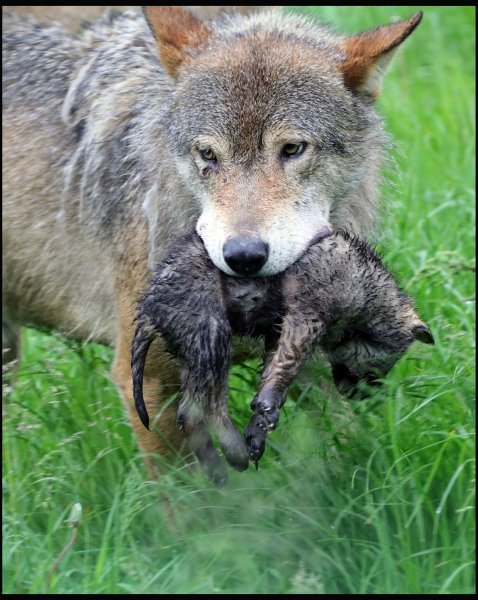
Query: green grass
<point x="373" y="497"/>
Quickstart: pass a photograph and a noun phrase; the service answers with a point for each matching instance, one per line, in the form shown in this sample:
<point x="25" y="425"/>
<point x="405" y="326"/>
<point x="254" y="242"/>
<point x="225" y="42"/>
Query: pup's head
<point x="273" y="128"/>
<point x="372" y="322"/>
<point x="366" y="354"/>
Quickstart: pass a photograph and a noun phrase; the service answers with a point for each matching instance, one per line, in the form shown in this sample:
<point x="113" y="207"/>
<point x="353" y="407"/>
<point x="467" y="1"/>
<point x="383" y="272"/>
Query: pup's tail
<point x="142" y="341"/>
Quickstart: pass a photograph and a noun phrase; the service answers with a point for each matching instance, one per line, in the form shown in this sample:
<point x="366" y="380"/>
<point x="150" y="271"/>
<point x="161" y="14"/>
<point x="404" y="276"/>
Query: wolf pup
<point x="363" y="328"/>
<point x="260" y="131"/>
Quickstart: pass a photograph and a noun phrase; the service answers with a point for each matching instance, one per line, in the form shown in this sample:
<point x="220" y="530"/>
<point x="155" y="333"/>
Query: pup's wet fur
<point x="338" y="296"/>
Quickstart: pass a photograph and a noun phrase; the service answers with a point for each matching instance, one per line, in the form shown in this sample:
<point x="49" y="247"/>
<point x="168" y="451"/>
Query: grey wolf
<point x="196" y="309"/>
<point x="260" y="131"/>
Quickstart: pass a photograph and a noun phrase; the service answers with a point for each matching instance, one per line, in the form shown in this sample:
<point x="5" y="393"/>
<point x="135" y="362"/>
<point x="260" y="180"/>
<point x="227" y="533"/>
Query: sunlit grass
<point x="371" y="497"/>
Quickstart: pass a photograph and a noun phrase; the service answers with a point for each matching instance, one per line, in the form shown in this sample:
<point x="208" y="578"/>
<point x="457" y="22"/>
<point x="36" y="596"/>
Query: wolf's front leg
<point x="160" y="384"/>
<point x="299" y="336"/>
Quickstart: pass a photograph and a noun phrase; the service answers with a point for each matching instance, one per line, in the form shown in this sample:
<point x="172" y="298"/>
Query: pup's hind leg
<point x="191" y="420"/>
<point x="206" y="353"/>
<point x="230" y="440"/>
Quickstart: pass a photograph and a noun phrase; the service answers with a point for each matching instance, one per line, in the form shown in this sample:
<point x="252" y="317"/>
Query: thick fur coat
<point x="119" y="139"/>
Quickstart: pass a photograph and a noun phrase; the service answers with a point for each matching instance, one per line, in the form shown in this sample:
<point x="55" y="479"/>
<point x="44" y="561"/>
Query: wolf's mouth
<point x="324" y="232"/>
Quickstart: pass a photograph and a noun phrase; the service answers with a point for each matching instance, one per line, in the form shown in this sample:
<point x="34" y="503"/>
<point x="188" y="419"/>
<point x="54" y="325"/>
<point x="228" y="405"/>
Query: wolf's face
<point x="268" y="144"/>
<point x="272" y="139"/>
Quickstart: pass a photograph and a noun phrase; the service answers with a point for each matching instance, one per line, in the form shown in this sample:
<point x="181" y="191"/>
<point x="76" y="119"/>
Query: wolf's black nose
<point x="245" y="255"/>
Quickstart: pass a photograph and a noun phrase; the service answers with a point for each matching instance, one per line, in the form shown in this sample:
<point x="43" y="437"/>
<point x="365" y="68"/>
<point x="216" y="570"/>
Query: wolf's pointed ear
<point x="368" y="54"/>
<point x="175" y="30"/>
<point x="422" y="333"/>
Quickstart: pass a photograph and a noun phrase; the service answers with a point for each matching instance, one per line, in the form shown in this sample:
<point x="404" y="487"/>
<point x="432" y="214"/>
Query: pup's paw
<point x="232" y="444"/>
<point x="267" y="403"/>
<point x="212" y="464"/>
<point x="255" y="435"/>
<point x="238" y="456"/>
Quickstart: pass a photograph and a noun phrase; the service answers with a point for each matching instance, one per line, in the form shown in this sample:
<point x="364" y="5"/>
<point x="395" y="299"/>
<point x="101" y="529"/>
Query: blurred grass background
<point x="372" y="497"/>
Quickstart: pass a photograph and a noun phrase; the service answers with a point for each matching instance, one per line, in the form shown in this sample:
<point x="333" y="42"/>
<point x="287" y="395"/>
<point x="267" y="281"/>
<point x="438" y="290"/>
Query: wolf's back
<point x="81" y="135"/>
<point x="38" y="62"/>
<point x="41" y="61"/>
<point x="56" y="271"/>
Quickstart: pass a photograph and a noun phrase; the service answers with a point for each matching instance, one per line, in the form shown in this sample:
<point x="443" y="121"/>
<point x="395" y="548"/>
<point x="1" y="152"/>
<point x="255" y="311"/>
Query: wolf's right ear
<point x="175" y="30"/>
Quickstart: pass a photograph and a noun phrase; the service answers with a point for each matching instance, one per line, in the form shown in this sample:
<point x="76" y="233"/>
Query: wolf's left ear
<point x="368" y="54"/>
<point x="175" y="30"/>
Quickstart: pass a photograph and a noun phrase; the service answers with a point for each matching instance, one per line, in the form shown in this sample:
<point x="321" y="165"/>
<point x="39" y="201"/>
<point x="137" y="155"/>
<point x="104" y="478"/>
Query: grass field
<point x="374" y="497"/>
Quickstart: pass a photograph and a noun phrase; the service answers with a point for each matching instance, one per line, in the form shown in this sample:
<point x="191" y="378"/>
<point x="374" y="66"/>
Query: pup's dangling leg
<point x="230" y="440"/>
<point x="191" y="420"/>
<point x="298" y="338"/>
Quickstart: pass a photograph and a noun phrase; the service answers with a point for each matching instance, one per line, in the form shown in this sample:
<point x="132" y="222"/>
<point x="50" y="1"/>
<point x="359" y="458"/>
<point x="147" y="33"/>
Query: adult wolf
<point x="260" y="130"/>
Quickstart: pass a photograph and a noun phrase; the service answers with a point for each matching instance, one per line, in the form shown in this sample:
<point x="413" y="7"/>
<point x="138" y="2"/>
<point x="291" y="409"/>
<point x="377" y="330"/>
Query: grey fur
<point x="338" y="296"/>
<point x="101" y="173"/>
<point x="115" y="126"/>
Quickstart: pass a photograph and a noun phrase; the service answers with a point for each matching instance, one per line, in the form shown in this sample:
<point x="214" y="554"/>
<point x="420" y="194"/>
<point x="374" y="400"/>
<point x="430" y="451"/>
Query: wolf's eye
<point x="293" y="150"/>
<point x="208" y="154"/>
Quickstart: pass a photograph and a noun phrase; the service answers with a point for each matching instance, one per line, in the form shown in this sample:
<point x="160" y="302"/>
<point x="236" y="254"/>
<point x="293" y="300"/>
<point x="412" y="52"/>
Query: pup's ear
<point x="175" y="30"/>
<point x="368" y="54"/>
<point x="422" y="333"/>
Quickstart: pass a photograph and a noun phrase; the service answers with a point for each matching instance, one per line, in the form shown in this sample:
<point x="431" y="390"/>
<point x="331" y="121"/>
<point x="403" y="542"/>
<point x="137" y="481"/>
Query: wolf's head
<point x="274" y="130"/>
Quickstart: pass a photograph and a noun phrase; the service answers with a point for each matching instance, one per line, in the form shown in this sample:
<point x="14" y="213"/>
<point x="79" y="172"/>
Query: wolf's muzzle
<point x="245" y="255"/>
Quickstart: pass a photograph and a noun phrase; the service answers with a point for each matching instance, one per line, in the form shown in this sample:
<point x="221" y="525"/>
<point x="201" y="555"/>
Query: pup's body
<point x="260" y="130"/>
<point x="337" y="295"/>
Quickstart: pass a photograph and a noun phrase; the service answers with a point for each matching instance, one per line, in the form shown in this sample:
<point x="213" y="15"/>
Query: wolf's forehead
<point x="257" y="84"/>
